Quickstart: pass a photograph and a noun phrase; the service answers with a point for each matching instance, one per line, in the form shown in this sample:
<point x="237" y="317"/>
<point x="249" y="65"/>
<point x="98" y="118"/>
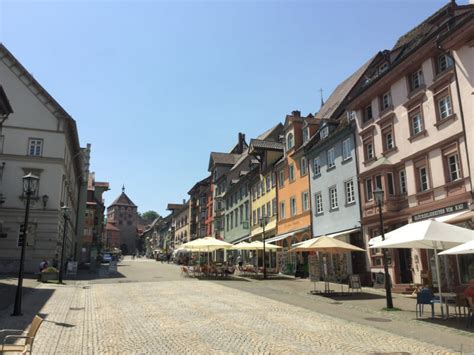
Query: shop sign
<point x="440" y="212"/>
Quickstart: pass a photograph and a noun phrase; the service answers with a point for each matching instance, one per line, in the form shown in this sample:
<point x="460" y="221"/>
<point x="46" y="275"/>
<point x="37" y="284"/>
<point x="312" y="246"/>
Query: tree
<point x="149" y="215"/>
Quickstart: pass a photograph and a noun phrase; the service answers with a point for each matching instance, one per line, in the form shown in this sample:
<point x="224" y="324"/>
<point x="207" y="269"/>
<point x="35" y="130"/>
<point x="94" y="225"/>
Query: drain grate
<point x="86" y="287"/>
<point x="77" y="308"/>
<point x="336" y="302"/>
<point x="375" y="319"/>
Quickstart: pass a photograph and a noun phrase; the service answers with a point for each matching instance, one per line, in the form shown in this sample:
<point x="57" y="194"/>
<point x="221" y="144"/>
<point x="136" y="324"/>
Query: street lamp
<point x="378" y="194"/>
<point x="263" y="223"/>
<point x="30" y="188"/>
<point x="65" y="210"/>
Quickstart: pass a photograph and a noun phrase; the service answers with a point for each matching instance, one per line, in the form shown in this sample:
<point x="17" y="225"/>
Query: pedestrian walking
<point x="168" y="257"/>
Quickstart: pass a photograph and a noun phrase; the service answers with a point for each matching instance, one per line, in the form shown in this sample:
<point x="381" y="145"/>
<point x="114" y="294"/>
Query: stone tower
<point x="123" y="214"/>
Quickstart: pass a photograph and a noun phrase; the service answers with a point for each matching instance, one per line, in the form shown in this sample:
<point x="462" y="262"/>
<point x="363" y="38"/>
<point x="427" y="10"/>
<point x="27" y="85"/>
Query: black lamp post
<point x="378" y="194"/>
<point x="263" y="223"/>
<point x="61" y="264"/>
<point x="30" y="187"/>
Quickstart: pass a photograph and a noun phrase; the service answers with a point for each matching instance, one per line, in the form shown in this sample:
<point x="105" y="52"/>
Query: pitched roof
<point x="262" y="144"/>
<point x="123" y="200"/>
<point x="341" y="91"/>
<point x="222" y="159"/>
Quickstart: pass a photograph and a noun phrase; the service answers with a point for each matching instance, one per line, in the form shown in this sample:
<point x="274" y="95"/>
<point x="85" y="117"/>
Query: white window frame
<point x="282" y="210"/>
<point x="391" y="185"/>
<point x="445" y="107"/>
<point x="457" y="167"/>
<point x="333" y="201"/>
<point x="303" y="166"/>
<point x="318" y="201"/>
<point x="305" y="201"/>
<point x="424" y="180"/>
<point x="34" y="143"/>
<point x="350" y="191"/>
<point x="317" y="165"/>
<point x="281" y="178"/>
<point x="403" y="181"/>
<point x="389" y="142"/>
<point x="288" y="141"/>
<point x="331" y="156"/>
<point x="417" y="80"/>
<point x="291" y="172"/>
<point x="369" y="190"/>
<point x="324" y="132"/>
<point x="417" y="124"/>
<point x="346" y="149"/>
<point x="293" y="207"/>
<point x="386" y="100"/>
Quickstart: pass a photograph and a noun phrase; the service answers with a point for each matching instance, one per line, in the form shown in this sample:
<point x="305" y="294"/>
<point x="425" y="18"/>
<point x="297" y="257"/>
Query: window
<point x="386" y="101"/>
<point x="262" y="185"/>
<point x="333" y="197"/>
<point x="258" y="190"/>
<point x="383" y="67"/>
<point x="391" y="184"/>
<point x="305" y="201"/>
<point x="346" y="148"/>
<point x="416" y="80"/>
<point x="269" y="182"/>
<point x="350" y="195"/>
<point x="369" y="149"/>
<point x="259" y="215"/>
<point x="282" y="210"/>
<point x="241" y="213"/>
<point x="368" y="113"/>
<point x="378" y="182"/>
<point x="423" y="176"/>
<point x="443" y="62"/>
<point x="232" y="220"/>
<point x="254" y="192"/>
<point x="403" y="182"/>
<point x="247" y="211"/>
<point x="254" y="217"/>
<point x="281" y="179"/>
<point x="317" y="166"/>
<point x="416" y="123"/>
<point x="368" y="190"/>
<point x="35" y="147"/>
<point x="324" y="132"/>
<point x="444" y="107"/>
<point x="387" y="136"/>
<point x="305" y="134"/>
<point x="269" y="211"/>
<point x="303" y="166"/>
<point x="290" y="141"/>
<point x="454" y="169"/>
<point x="264" y="211"/>
<point x="331" y="158"/>
<point x="274" y="207"/>
<point x="318" y="201"/>
<point x="291" y="172"/>
<point x="292" y="206"/>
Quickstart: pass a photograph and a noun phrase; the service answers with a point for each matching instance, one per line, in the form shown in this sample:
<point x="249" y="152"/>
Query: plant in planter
<point x="49" y="274"/>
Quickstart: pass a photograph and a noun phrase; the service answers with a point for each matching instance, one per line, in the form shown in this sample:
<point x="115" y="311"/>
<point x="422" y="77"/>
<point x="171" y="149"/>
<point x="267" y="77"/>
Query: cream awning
<point x="269" y="227"/>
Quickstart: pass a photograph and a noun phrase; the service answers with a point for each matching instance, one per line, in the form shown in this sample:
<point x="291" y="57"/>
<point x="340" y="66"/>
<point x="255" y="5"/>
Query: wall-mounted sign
<point x="440" y="212"/>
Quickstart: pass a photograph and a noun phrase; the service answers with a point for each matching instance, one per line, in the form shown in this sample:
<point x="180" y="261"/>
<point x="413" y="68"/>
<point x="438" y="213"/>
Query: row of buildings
<point x="38" y="136"/>
<point x="403" y="122"/>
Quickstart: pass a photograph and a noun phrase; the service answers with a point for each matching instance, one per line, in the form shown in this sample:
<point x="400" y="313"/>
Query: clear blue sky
<point x="155" y="86"/>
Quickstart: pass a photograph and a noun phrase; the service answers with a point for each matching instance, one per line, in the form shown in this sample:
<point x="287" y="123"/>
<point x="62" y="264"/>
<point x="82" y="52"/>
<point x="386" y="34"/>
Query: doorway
<point x="404" y="262"/>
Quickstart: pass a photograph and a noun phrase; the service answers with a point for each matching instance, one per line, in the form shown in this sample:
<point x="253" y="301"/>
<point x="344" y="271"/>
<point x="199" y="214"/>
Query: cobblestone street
<point x="152" y="309"/>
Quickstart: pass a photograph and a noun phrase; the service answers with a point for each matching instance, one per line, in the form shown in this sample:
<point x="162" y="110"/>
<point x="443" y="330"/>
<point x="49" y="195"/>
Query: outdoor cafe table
<point x="447" y="296"/>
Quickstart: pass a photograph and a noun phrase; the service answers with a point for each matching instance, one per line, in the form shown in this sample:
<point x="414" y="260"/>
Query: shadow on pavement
<point x="32" y="302"/>
<point x="344" y="296"/>
<point x="459" y="323"/>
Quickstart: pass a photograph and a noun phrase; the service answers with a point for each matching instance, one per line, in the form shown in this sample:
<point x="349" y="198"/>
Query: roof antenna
<point x="322" y="101"/>
<point x="123" y="188"/>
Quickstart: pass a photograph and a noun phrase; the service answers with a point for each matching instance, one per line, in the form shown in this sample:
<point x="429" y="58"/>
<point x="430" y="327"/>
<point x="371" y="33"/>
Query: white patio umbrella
<point x="206" y="244"/>
<point x="428" y="234"/>
<point x="466" y="248"/>
<point x="243" y="246"/>
<point x="258" y="245"/>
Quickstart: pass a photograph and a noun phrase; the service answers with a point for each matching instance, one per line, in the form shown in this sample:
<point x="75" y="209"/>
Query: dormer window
<point x="386" y="101"/>
<point x="305" y="134"/>
<point x="290" y="141"/>
<point x="324" y="132"/>
<point x="383" y="67"/>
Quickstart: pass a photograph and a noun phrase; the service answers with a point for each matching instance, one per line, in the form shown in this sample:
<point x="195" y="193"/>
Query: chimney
<point x="241" y="143"/>
<point x="296" y="113"/>
<point x="184" y="201"/>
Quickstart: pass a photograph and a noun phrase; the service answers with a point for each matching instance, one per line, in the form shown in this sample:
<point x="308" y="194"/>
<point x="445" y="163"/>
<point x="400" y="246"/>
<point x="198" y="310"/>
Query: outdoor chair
<point x="28" y="336"/>
<point x="460" y="304"/>
<point x="424" y="297"/>
<point x="470" y="316"/>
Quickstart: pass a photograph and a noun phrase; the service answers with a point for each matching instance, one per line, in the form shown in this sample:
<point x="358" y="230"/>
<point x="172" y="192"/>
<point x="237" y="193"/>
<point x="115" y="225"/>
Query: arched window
<point x="290" y="141"/>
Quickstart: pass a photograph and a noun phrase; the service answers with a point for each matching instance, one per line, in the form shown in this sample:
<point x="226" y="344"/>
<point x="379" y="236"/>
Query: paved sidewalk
<point x="197" y="317"/>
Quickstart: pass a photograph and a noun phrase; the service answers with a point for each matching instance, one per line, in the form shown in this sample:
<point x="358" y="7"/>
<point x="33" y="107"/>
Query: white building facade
<point x="39" y="138"/>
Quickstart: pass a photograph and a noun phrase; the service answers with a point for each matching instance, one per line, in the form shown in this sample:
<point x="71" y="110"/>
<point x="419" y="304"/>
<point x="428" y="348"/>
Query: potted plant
<point x="48" y="274"/>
